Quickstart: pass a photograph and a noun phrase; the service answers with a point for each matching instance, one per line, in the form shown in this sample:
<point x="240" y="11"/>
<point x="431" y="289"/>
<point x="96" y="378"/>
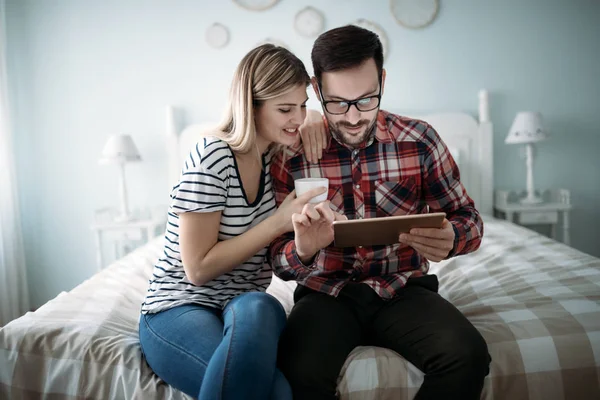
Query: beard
<point x="352" y="139"/>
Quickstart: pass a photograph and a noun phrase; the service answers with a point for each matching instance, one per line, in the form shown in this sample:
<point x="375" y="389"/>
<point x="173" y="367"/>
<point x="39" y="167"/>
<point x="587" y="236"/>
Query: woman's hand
<point x="314" y="136"/>
<point x="293" y="205"/>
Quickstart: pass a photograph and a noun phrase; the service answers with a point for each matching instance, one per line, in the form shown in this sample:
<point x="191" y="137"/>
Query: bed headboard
<point x="470" y="140"/>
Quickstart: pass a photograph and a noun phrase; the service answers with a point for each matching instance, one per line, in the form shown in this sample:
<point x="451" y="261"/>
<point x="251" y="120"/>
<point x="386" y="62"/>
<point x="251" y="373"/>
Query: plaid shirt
<point x="405" y="168"/>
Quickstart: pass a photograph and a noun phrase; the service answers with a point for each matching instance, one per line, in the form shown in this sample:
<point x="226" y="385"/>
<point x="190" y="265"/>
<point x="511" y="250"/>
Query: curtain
<point x="14" y="296"/>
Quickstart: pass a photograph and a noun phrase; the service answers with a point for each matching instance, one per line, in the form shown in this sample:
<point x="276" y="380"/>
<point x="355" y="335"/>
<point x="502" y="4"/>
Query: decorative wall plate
<point x="309" y="22"/>
<point x="414" y="14"/>
<point x="256" y="5"/>
<point x="217" y="35"/>
<point x="372" y="26"/>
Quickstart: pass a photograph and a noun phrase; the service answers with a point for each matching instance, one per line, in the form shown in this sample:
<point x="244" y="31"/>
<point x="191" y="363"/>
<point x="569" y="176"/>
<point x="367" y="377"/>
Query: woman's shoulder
<point x="210" y="150"/>
<point x="210" y="145"/>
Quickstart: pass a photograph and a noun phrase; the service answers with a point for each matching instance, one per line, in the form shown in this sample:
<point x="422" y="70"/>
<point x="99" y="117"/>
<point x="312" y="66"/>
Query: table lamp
<point x="120" y="149"/>
<point x="527" y="129"/>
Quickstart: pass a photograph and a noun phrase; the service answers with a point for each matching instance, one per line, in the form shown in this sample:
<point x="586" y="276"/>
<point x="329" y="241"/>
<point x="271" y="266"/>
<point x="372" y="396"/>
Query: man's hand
<point x="313" y="229"/>
<point x="292" y="205"/>
<point x="314" y="136"/>
<point x="432" y="243"/>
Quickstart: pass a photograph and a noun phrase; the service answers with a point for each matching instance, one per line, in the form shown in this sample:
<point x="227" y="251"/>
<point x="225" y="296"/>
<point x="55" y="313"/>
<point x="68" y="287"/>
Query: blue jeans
<point x="211" y="354"/>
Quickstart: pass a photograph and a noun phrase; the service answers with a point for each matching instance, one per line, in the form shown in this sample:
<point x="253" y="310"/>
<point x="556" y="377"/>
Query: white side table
<point x="556" y="202"/>
<point x="124" y="236"/>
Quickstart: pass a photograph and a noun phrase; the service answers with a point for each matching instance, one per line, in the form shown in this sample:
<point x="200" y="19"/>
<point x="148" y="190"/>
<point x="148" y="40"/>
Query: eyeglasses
<point x="339" y="107"/>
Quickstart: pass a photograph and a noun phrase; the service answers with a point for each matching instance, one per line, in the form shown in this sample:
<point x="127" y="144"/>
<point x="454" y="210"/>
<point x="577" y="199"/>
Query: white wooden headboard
<point x="470" y="141"/>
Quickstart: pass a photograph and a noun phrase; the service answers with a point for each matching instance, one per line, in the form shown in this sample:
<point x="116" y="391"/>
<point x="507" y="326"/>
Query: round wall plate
<point x="217" y="35"/>
<point x="414" y="14"/>
<point x="309" y="22"/>
<point x="256" y="5"/>
<point x="373" y="27"/>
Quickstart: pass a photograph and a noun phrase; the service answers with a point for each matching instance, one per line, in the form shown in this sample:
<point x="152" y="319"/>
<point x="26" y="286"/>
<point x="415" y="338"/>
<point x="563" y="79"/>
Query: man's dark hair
<point x="345" y="47"/>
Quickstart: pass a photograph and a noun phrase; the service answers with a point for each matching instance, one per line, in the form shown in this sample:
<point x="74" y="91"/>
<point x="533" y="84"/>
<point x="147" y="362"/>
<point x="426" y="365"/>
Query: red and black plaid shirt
<point x="405" y="168"/>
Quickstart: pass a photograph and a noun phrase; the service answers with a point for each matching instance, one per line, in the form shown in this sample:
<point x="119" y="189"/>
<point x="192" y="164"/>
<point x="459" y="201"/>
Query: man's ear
<point x="315" y="86"/>
<point x="382" y="80"/>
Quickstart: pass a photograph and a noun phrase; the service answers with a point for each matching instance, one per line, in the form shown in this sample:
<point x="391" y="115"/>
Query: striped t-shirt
<point x="210" y="181"/>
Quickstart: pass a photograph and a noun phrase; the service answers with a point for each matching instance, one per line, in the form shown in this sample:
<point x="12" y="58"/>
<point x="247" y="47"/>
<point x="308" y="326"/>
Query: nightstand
<point x="556" y="202"/>
<point x="123" y="237"/>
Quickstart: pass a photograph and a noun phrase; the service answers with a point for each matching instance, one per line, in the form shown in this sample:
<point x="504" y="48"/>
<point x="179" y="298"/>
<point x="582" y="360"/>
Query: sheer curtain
<point x="14" y="296"/>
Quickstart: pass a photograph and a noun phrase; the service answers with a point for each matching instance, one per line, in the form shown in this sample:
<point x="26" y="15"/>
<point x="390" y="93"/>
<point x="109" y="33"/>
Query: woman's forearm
<point x="224" y="256"/>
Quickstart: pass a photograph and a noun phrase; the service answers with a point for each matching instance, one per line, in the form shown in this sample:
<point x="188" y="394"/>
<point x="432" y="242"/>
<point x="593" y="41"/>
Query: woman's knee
<point x="262" y="308"/>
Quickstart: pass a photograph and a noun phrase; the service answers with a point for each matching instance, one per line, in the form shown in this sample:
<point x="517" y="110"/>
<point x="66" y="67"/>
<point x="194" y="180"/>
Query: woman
<point x="207" y="327"/>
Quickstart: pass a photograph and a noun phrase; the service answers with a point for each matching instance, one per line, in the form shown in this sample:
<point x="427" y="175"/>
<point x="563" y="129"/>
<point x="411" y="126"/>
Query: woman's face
<point x="277" y="120"/>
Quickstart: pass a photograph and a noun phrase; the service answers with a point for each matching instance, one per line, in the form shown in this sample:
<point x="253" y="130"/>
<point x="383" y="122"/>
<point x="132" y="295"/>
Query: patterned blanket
<point x="536" y="302"/>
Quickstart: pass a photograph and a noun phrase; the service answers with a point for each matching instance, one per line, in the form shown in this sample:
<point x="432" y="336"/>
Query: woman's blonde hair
<point x="266" y="72"/>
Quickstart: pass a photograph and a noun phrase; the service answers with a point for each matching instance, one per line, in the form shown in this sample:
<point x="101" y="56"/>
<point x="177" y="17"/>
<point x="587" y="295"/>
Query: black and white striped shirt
<point x="210" y="181"/>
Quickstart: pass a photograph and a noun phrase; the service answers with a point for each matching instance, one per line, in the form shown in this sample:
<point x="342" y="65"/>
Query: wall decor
<point x="256" y="5"/>
<point x="217" y="35"/>
<point x="309" y="22"/>
<point x="414" y="14"/>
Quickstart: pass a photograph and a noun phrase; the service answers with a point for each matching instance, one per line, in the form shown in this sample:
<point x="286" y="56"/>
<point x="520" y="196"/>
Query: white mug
<point x="305" y="184"/>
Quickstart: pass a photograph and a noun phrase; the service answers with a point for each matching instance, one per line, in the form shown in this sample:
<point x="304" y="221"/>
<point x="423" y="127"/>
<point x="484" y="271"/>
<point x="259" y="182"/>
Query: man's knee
<point x="468" y="350"/>
<point x="308" y="371"/>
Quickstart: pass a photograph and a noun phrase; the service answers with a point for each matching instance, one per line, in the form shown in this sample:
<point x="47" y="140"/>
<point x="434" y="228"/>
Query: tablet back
<point x="381" y="231"/>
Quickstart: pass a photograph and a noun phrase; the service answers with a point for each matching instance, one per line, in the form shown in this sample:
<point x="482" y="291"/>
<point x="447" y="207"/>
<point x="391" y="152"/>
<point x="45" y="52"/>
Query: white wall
<point x="81" y="70"/>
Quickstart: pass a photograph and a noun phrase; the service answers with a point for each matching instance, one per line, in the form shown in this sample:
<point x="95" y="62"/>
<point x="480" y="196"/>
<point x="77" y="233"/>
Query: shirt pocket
<point x="336" y="199"/>
<point x="395" y="197"/>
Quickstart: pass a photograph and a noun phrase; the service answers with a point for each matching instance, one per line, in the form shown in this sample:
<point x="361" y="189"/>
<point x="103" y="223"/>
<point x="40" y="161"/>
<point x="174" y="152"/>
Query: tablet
<point x="381" y="231"/>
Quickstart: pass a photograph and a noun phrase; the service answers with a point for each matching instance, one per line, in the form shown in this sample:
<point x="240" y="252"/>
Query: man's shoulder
<point x="405" y="128"/>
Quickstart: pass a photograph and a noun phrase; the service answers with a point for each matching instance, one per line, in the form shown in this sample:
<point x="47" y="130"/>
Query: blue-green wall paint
<point x="82" y="70"/>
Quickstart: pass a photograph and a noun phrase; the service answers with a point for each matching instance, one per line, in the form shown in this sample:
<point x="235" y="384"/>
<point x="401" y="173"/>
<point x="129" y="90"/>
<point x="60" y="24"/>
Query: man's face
<point x="353" y="127"/>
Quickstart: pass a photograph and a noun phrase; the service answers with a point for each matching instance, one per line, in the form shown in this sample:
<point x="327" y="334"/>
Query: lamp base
<point x="531" y="200"/>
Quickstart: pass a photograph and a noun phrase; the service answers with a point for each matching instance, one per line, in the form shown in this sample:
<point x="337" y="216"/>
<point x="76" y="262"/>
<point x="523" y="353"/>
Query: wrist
<point x="276" y="225"/>
<point x="306" y="257"/>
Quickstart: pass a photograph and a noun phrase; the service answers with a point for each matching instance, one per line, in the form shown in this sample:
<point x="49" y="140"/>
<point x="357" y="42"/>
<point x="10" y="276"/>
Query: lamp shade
<point x="119" y="149"/>
<point x="526" y="128"/>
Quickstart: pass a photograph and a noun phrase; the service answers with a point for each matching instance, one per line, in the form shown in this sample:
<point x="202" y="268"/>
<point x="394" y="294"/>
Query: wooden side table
<point x="556" y="202"/>
<point x="125" y="236"/>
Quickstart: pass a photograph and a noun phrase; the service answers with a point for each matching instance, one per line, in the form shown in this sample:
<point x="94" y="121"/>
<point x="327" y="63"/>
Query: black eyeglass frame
<point x="349" y="102"/>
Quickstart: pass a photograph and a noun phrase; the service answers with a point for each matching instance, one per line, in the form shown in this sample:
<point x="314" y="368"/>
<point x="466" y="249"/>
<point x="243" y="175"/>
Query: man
<point x="378" y="164"/>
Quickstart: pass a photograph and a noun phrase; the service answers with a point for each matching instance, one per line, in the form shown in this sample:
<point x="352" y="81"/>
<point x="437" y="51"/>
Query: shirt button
<point x="358" y="186"/>
<point x="355" y="152"/>
<point x="360" y="247"/>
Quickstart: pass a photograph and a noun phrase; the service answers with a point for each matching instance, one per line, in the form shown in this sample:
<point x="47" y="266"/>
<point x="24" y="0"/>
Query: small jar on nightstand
<point x="124" y="236"/>
<point x="556" y="203"/>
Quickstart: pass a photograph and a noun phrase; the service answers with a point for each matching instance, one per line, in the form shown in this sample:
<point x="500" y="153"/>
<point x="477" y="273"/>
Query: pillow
<point x="283" y="291"/>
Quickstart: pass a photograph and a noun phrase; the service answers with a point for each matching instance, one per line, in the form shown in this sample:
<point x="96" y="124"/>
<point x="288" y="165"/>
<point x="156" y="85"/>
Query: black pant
<point x="418" y="324"/>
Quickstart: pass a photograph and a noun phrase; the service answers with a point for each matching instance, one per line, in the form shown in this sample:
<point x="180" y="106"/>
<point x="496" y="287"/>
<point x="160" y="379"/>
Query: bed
<point x="536" y="302"/>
